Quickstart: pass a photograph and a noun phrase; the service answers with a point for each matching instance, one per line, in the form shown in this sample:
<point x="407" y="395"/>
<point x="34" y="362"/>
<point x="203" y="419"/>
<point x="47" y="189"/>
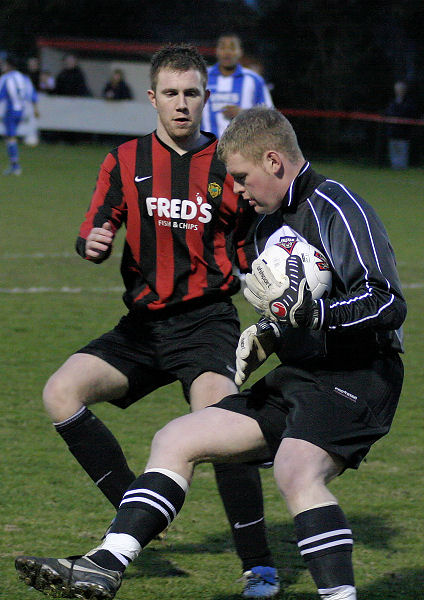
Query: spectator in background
<point x="33" y="71"/>
<point x="47" y="82"/>
<point x="117" y="88"/>
<point x="71" y="79"/>
<point x="17" y="91"/>
<point x="232" y="87"/>
<point x="399" y="135"/>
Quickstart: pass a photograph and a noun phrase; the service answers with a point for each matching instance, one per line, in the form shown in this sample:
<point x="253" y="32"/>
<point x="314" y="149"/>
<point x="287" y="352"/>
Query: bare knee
<point x="168" y="443"/>
<point x="82" y="380"/>
<point x="290" y="478"/>
<point x="209" y="388"/>
<point x="168" y="450"/>
<point x="302" y="471"/>
<point x="60" y="398"/>
<point x="177" y="444"/>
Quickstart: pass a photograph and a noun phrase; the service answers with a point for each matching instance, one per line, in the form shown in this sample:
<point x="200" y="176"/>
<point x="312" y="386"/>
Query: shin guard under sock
<point x="98" y="452"/>
<point x="240" y="488"/>
<point x="325" y="543"/>
<point x="149" y="505"/>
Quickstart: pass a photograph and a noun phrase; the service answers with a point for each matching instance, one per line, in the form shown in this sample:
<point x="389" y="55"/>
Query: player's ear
<point x="207" y="94"/>
<point x="152" y="97"/>
<point x="273" y="162"/>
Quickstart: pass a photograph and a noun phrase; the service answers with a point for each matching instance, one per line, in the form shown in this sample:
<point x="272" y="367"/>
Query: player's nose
<point x="181" y="102"/>
<point x="238" y="188"/>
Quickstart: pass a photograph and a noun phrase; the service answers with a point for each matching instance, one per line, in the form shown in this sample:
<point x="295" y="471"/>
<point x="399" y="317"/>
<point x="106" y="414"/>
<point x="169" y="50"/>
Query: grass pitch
<point x="53" y="302"/>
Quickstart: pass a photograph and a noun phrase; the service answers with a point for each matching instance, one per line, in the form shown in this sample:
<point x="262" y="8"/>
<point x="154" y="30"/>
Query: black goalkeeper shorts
<point x="154" y="353"/>
<point x="342" y="411"/>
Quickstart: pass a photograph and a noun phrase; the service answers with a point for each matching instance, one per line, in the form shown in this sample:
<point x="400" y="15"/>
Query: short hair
<point x="230" y="34"/>
<point x="255" y="130"/>
<point x="177" y="57"/>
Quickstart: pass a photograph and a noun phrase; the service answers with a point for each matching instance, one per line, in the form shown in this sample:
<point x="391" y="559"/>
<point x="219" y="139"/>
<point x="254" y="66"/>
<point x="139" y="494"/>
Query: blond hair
<point x="254" y="131"/>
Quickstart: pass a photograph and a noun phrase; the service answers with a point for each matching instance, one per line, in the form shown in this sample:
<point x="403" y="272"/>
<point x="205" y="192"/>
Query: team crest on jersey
<point x="287" y="243"/>
<point x="214" y="189"/>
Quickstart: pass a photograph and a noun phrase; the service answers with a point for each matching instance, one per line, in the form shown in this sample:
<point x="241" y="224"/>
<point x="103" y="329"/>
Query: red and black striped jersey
<point x="185" y="227"/>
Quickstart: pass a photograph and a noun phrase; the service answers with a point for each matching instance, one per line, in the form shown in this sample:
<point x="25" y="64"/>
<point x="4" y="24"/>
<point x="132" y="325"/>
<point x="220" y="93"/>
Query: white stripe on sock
<point x="342" y="592"/>
<point x="72" y="418"/>
<point x="329" y="545"/>
<point x="322" y="536"/>
<point x="143" y="500"/>
<point x="149" y="493"/>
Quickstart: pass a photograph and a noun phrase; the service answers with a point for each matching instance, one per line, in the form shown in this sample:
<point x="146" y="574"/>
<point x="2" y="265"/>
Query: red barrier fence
<point x="357" y="116"/>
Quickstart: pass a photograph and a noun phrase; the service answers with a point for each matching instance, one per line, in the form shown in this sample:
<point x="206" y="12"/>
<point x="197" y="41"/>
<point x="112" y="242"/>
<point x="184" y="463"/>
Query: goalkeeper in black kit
<point x="333" y="395"/>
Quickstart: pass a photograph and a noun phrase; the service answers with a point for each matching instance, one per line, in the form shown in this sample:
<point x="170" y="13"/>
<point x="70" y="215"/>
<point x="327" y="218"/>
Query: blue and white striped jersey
<point x="17" y="90"/>
<point x="244" y="88"/>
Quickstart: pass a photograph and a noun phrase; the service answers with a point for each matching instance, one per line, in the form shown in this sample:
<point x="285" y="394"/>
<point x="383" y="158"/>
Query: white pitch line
<point x="62" y="290"/>
<point x="8" y="256"/>
<point x="17" y="255"/>
<point x="106" y="290"/>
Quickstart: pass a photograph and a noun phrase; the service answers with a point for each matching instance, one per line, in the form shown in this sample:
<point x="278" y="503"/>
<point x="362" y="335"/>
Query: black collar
<point x="301" y="188"/>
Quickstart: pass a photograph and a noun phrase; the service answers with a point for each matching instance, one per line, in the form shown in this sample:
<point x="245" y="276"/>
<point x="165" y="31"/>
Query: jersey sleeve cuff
<point x="318" y="320"/>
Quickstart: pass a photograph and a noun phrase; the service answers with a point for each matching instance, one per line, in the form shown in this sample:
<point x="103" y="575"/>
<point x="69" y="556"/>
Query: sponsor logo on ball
<point x="287" y="243"/>
<point x="323" y="265"/>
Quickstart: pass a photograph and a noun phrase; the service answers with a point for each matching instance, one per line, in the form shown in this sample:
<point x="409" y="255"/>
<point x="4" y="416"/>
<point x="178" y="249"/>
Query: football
<point x="315" y="264"/>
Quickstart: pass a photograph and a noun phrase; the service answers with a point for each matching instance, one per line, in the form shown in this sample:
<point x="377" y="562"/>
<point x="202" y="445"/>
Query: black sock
<point x="107" y="560"/>
<point x="98" y="452"/>
<point x="325" y="542"/>
<point x="149" y="505"/>
<point x="241" y="491"/>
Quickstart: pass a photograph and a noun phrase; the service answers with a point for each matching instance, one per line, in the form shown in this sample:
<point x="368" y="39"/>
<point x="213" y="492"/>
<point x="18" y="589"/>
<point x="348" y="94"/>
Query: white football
<point x="315" y="264"/>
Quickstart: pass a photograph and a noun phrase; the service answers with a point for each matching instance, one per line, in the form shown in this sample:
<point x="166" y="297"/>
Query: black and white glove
<point x="288" y="302"/>
<point x="256" y="343"/>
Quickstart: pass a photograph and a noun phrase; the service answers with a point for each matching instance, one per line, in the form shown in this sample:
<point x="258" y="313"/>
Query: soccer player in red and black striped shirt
<point x="184" y="229"/>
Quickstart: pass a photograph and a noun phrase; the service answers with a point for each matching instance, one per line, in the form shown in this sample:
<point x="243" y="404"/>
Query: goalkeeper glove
<point x="288" y="302"/>
<point x="256" y="343"/>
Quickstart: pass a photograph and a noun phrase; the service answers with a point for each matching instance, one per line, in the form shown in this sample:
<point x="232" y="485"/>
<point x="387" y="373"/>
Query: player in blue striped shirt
<point x="16" y="90"/>
<point x="232" y="86"/>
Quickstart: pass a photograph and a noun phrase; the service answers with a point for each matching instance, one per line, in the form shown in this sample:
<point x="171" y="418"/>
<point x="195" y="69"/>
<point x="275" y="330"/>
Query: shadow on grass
<point x="370" y="531"/>
<point x="405" y="584"/>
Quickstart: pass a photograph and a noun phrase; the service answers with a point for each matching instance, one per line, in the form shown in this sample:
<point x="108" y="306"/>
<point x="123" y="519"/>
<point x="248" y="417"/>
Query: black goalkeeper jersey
<point x="185" y="226"/>
<point x="365" y="309"/>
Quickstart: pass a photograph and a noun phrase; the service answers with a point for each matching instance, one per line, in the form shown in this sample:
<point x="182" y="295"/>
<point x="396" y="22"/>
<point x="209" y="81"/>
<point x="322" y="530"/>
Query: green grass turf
<point x="49" y="506"/>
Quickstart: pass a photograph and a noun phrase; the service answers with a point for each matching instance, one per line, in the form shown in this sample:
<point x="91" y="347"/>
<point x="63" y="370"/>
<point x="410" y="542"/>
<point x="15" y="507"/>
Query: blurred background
<point x="331" y="66"/>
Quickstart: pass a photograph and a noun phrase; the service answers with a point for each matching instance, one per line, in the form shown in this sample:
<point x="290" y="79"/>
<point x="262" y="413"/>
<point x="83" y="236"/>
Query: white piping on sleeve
<point x="358" y="254"/>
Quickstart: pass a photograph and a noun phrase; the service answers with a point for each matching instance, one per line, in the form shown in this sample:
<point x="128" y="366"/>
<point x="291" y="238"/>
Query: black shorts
<point x="154" y="353"/>
<point x="342" y="411"/>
